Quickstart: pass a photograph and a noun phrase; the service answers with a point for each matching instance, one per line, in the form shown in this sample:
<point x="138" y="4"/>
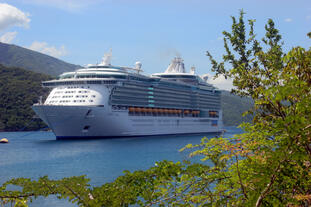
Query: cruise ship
<point x="106" y="101"/>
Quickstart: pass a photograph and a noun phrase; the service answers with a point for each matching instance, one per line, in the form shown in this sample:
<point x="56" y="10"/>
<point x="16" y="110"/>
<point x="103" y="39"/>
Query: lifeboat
<point x="155" y="111"/>
<point x="161" y="111"/>
<point x="212" y="113"/>
<point x="186" y="111"/>
<point x="138" y="110"/>
<point x="131" y="109"/>
<point x="149" y="110"/>
<point x="144" y="110"/>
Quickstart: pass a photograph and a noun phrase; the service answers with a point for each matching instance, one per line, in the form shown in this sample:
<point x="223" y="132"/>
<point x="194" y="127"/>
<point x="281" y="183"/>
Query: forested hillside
<point x="19" y="89"/>
<point x="15" y="56"/>
<point x="233" y="107"/>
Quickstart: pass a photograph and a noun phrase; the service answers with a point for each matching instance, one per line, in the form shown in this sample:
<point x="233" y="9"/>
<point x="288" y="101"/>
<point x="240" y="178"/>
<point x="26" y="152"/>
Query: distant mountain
<point x="233" y="107"/>
<point x="15" y="56"/>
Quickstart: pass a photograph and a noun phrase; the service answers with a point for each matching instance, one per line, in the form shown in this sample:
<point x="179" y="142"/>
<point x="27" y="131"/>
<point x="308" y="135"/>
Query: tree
<point x="268" y="165"/>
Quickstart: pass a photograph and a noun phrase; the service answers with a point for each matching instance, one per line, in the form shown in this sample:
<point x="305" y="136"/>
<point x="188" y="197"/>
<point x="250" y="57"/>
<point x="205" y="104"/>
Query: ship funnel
<point x="176" y="66"/>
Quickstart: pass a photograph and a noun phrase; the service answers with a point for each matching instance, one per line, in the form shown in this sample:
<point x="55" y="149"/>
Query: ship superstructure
<point x="108" y="101"/>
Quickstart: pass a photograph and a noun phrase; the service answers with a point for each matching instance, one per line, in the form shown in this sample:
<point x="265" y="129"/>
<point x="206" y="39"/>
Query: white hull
<point x="103" y="122"/>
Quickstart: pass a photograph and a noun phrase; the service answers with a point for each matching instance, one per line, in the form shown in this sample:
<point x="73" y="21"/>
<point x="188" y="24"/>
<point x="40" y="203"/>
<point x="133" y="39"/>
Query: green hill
<point x="233" y="107"/>
<point x="15" y="56"/>
<point x="19" y="90"/>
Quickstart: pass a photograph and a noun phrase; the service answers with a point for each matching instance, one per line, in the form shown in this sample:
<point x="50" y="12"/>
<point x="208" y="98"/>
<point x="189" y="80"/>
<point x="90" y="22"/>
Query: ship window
<point x="177" y="76"/>
<point x="65" y="76"/>
<point x="100" y="76"/>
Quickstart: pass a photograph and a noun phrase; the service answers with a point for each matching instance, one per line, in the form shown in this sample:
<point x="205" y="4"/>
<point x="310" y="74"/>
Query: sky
<point x="150" y="31"/>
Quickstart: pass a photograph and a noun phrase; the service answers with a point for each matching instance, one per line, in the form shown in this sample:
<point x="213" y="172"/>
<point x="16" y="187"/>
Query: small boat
<point x="4" y="140"/>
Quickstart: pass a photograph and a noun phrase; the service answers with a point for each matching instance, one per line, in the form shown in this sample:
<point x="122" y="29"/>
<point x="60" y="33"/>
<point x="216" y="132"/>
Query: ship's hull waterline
<point x="74" y="122"/>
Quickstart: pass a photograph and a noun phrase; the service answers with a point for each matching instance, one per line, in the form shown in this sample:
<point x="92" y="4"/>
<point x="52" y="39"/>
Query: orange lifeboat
<point x="154" y="110"/>
<point x="138" y="110"/>
<point x="161" y="111"/>
<point x="131" y="109"/>
<point x="186" y="111"/>
<point x="149" y="110"/>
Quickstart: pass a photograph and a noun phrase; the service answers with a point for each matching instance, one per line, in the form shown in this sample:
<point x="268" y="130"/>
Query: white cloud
<point x="43" y="47"/>
<point x="8" y="37"/>
<point x="68" y="5"/>
<point x="221" y="82"/>
<point x="11" y="16"/>
<point x="288" y="20"/>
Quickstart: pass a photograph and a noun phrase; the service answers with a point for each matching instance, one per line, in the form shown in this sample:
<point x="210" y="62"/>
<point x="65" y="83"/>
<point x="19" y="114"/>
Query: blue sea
<point x="36" y="154"/>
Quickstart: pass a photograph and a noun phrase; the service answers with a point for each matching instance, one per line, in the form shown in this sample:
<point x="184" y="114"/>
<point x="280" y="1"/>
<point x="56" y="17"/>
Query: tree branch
<point x="239" y="175"/>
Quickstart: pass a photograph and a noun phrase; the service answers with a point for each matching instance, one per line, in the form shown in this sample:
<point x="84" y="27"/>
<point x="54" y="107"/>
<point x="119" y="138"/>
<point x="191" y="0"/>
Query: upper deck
<point x="105" y="73"/>
<point x="123" y="86"/>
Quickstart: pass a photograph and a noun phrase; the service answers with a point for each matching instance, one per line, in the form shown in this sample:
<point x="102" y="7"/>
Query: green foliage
<point x="19" y="90"/>
<point x="280" y="86"/>
<point x="15" y="56"/>
<point x="268" y="165"/>
<point x="75" y="189"/>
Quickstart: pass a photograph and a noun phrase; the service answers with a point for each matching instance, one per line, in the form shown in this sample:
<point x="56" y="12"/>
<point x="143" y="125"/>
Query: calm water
<point x="36" y="154"/>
